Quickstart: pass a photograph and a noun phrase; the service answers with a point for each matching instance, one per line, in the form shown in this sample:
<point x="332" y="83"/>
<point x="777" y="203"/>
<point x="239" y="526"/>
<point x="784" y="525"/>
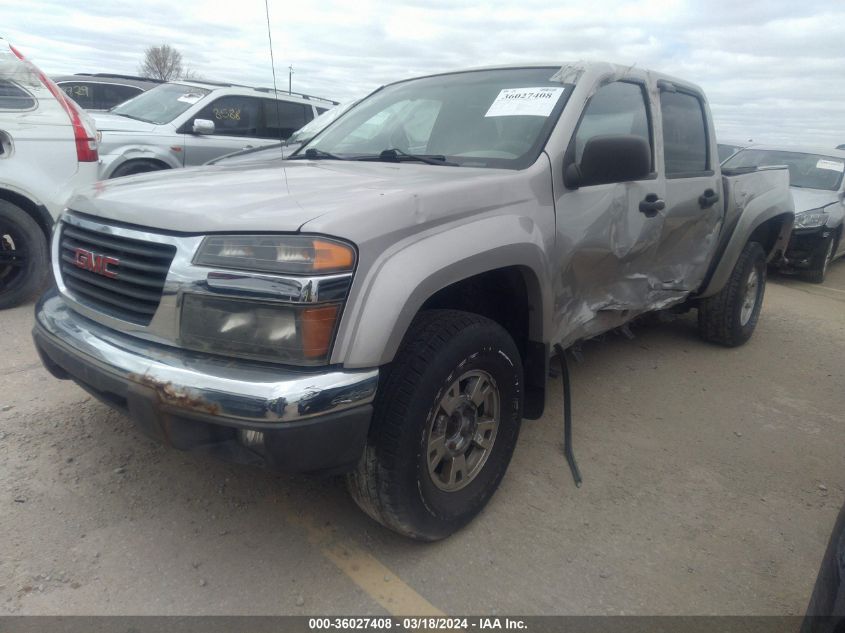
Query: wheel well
<point x="39" y="214"/>
<point x="506" y="296"/>
<point x="767" y="235"/>
<point x="156" y="161"/>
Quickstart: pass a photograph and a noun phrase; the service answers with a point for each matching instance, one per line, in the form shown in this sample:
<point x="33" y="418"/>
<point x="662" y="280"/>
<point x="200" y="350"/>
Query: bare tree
<point x="191" y="74"/>
<point x="161" y="62"/>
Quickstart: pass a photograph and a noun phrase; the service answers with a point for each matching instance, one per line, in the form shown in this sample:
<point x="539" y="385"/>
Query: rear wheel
<point x="24" y="260"/>
<point x="446" y="421"/>
<point x="730" y="316"/>
<point x="821" y="261"/>
<point x="132" y="167"/>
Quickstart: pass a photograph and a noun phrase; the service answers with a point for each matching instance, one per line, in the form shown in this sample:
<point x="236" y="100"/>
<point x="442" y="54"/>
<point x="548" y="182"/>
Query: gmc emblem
<point x="95" y="263"/>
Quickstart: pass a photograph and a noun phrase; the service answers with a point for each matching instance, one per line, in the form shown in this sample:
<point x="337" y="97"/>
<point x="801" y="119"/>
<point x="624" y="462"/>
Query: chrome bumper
<point x="227" y="392"/>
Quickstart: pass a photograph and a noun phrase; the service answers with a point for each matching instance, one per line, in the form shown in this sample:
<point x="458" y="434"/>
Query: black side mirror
<point x="610" y="158"/>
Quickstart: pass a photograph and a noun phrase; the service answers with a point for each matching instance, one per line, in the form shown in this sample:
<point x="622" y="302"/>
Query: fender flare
<point x="383" y="304"/>
<point x="769" y="206"/>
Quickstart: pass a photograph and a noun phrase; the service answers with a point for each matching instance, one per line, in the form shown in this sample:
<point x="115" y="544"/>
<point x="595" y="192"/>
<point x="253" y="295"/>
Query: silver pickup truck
<point x="385" y="303"/>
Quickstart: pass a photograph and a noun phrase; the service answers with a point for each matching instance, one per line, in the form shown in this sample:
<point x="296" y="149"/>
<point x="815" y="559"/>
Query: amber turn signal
<point x="317" y="330"/>
<point x="332" y="256"/>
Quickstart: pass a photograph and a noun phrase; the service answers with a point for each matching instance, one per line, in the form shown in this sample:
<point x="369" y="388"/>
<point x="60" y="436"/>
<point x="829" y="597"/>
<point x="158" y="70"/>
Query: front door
<point x="606" y="240"/>
<point x="237" y="125"/>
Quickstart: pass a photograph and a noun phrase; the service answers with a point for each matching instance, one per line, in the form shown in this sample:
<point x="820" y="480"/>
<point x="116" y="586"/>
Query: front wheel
<point x="446" y="421"/>
<point x="730" y="316"/>
<point x="821" y="261"/>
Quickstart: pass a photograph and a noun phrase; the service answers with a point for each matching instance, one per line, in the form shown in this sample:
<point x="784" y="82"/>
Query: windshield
<point x="809" y="171"/>
<point x="161" y="104"/>
<point x="490" y="118"/>
<point x="726" y="151"/>
<point x="309" y="130"/>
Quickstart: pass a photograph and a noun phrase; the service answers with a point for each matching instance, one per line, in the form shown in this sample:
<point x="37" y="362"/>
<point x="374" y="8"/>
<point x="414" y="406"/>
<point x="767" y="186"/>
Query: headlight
<point x="810" y="219"/>
<point x="293" y="254"/>
<point x="282" y="333"/>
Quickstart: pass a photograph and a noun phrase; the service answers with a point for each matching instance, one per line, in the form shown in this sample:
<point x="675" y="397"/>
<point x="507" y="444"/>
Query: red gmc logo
<point x="99" y="264"/>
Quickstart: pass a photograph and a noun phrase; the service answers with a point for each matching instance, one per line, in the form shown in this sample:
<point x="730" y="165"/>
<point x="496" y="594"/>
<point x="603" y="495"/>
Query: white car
<point x="294" y="142"/>
<point x="48" y="148"/>
<point x="189" y="123"/>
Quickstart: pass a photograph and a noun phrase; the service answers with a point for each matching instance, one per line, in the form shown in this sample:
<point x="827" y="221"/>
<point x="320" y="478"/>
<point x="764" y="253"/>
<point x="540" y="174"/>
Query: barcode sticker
<point x="525" y="102"/>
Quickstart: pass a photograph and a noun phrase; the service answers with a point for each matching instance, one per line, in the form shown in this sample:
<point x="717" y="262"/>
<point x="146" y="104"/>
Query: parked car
<point x="726" y="150"/>
<point x="283" y="150"/>
<point x="840" y="146"/>
<point x="99" y="92"/>
<point x="388" y="305"/>
<point x="816" y="179"/>
<point x="826" y="610"/>
<point x="189" y="123"/>
<point x="48" y="147"/>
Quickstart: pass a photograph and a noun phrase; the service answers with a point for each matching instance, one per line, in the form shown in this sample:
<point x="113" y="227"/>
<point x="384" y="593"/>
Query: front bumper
<point x="804" y="244"/>
<point x="250" y="412"/>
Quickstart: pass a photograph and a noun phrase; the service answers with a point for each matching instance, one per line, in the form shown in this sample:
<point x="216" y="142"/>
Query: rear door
<point x="694" y="212"/>
<point x="283" y="118"/>
<point x="106" y="96"/>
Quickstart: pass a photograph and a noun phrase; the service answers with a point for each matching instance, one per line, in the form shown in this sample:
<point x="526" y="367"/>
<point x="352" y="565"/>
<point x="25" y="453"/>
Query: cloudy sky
<point x="774" y="70"/>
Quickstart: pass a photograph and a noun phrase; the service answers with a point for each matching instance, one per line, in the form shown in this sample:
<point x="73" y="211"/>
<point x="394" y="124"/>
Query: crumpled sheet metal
<point x="619" y="264"/>
<point x="616" y="264"/>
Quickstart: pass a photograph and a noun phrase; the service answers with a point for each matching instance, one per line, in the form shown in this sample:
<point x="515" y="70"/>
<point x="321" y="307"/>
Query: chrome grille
<point x="131" y="288"/>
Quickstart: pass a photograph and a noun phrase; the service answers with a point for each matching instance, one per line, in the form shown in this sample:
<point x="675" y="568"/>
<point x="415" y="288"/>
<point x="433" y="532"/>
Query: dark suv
<point x="103" y="91"/>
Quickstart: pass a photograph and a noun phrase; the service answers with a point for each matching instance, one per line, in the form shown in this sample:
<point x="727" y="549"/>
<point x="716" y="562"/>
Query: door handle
<point x="651" y="205"/>
<point x="247" y="147"/>
<point x="708" y="198"/>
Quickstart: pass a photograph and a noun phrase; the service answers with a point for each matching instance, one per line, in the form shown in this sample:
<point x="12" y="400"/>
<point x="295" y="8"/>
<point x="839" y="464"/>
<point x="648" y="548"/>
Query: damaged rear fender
<point x="766" y="215"/>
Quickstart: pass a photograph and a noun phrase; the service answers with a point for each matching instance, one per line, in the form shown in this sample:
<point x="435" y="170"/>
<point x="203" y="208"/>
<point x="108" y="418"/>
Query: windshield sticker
<point x="525" y="102"/>
<point x="833" y="165"/>
<point x="190" y="97"/>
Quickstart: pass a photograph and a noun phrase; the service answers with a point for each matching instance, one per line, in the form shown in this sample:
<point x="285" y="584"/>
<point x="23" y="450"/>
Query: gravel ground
<point x="712" y="479"/>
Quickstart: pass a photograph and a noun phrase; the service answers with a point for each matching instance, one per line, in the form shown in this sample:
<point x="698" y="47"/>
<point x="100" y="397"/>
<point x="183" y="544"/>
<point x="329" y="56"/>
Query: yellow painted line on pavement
<point x="366" y="571"/>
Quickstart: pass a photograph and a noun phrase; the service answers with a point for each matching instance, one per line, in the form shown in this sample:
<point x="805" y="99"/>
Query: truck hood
<point x="807" y="199"/>
<point x="115" y="123"/>
<point x="262" y="197"/>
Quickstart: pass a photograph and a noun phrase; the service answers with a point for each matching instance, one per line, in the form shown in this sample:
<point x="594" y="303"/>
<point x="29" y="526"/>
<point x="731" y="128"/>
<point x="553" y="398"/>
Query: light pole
<point x="290" y="78"/>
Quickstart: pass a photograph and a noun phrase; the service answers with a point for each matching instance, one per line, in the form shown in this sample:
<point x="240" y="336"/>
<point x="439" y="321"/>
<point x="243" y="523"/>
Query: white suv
<point x="192" y="122"/>
<point x="48" y="148"/>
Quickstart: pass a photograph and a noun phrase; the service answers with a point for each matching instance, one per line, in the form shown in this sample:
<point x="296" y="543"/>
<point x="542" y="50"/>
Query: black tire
<point x="141" y="166"/>
<point x="720" y="317"/>
<point x="24" y="256"/>
<point x="821" y="261"/>
<point x="392" y="482"/>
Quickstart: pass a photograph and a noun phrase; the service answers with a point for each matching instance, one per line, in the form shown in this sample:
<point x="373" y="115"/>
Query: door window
<point x="684" y="134"/>
<point x="14" y="98"/>
<point x="617" y="108"/>
<point x="233" y="115"/>
<point x="106" y="96"/>
<point x="283" y="118"/>
<point x="80" y="91"/>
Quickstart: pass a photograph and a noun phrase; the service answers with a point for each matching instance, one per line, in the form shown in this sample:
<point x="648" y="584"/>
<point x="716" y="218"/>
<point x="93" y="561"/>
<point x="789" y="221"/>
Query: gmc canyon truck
<point x="385" y="303"/>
